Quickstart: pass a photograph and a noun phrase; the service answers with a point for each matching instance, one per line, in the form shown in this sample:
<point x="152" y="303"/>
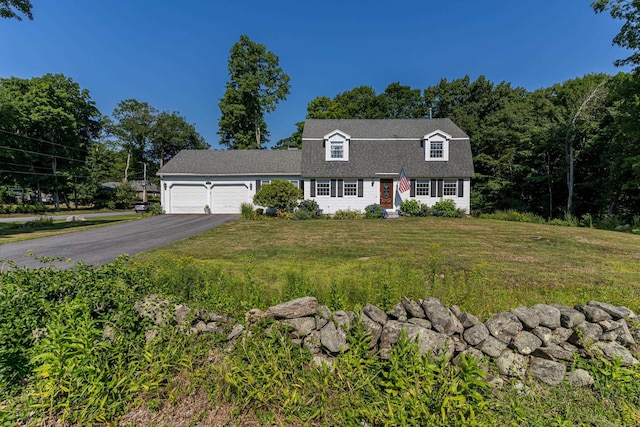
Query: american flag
<point x="403" y="185"/>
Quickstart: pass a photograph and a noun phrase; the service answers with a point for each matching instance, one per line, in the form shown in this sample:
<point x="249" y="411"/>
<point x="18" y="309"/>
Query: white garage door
<point x="188" y="199"/>
<point x="228" y="198"/>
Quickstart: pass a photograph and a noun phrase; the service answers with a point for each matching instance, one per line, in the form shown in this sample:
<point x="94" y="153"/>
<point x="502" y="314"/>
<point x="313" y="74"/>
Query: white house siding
<point x="329" y="205"/>
<point x="463" y="202"/>
<point x="371" y="195"/>
<point x="191" y="195"/>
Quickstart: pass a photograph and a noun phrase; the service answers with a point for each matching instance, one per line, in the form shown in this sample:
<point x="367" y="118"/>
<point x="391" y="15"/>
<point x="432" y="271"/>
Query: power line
<point x="41" y="154"/>
<point x="42" y="174"/>
<point x="39" y="140"/>
<point x="25" y="166"/>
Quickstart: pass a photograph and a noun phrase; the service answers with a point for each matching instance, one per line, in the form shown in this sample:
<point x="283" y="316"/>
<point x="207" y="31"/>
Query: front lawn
<point x="482" y="265"/>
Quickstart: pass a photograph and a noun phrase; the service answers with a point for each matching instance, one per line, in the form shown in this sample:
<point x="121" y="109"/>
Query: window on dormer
<point x="337" y="149"/>
<point x="436" y="149"/>
<point x="436" y="146"/>
<point x="336" y="146"/>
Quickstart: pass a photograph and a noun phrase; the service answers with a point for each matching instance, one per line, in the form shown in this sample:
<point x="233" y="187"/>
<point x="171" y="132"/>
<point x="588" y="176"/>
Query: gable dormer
<point x="336" y="146"/>
<point x="436" y="146"/>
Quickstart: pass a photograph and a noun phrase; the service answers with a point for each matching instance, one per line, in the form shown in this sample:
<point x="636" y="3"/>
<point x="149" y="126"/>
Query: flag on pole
<point x="403" y="185"/>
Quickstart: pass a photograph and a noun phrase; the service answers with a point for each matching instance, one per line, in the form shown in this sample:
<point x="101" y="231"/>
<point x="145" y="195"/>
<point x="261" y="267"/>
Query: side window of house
<point x="265" y="182"/>
<point x="295" y="182"/>
<point x="322" y="188"/>
<point x="450" y="187"/>
<point x="422" y="188"/>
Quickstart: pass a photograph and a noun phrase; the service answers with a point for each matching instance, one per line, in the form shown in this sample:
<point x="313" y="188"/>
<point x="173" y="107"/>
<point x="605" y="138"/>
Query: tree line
<point x="54" y="140"/>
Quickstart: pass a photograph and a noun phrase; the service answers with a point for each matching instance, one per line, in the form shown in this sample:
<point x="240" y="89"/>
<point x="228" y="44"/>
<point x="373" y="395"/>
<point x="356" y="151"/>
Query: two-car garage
<point x="220" y="181"/>
<point x="195" y="198"/>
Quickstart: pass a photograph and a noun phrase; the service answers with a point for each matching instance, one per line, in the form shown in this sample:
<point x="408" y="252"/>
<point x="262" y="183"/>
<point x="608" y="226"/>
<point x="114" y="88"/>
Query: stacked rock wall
<point x="535" y="341"/>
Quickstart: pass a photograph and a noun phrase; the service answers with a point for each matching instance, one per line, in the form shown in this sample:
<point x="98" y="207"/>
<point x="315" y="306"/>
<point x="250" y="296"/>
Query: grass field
<point x="482" y="265"/>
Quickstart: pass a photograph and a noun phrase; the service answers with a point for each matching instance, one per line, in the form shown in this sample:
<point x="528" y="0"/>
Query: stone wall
<point x="537" y="341"/>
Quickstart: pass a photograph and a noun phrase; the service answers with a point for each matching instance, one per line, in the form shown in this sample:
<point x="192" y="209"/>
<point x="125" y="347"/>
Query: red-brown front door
<point x="386" y="193"/>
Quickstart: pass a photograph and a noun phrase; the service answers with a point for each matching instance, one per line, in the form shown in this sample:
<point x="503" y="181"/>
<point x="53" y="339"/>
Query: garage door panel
<point x="188" y="198"/>
<point x="228" y="198"/>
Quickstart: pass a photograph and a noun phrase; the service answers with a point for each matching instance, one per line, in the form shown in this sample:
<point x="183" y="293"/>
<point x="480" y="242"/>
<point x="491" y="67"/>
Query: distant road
<point x="60" y="217"/>
<point x="104" y="244"/>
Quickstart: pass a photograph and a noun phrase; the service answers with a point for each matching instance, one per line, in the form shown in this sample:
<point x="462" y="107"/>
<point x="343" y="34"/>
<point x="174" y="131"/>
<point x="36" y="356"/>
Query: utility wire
<point x="42" y="174"/>
<point x="42" y="154"/>
<point x="39" y="140"/>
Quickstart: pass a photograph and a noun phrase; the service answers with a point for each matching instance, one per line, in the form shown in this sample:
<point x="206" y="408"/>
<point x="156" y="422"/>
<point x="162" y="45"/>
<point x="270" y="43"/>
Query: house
<point x="343" y="164"/>
<point x="152" y="189"/>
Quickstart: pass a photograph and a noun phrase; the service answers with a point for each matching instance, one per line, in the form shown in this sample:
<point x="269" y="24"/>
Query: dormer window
<point x="337" y="150"/>
<point x="336" y="146"/>
<point x="436" y="146"/>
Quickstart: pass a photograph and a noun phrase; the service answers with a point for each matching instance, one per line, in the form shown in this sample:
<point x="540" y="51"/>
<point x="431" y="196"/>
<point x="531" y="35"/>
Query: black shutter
<point x="440" y="187"/>
<point x="361" y="188"/>
<point x="301" y="182"/>
<point x="433" y="188"/>
<point x="412" y="190"/>
<point x="340" y="188"/>
<point x="313" y="188"/>
<point x="258" y="184"/>
<point x="333" y="188"/>
<point x="460" y="187"/>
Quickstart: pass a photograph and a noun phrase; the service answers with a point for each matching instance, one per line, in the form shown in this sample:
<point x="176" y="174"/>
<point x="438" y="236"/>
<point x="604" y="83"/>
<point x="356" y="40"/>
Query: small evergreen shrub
<point x="375" y="211"/>
<point x="310" y="206"/>
<point x="279" y="194"/>
<point x="347" y="214"/>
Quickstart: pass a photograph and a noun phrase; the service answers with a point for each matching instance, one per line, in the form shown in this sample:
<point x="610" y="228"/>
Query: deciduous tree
<point x="256" y="85"/>
<point x="13" y="8"/>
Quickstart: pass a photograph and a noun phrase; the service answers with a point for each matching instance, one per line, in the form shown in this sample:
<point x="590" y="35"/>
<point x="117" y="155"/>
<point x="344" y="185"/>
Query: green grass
<point x="18" y="231"/>
<point x="482" y="265"/>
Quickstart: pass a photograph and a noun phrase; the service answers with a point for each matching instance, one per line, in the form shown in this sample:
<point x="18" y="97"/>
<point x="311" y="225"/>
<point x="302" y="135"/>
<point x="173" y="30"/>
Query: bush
<point x="413" y="208"/>
<point x="156" y="209"/>
<point x="279" y="194"/>
<point x="347" y="214"/>
<point x="375" y="211"/>
<point x="310" y="206"/>
<point x="446" y="208"/>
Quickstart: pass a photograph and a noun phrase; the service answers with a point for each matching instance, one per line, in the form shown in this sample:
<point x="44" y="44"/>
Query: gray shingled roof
<point x="372" y="156"/>
<point x="381" y="128"/>
<point x="372" y="151"/>
<point x="234" y="162"/>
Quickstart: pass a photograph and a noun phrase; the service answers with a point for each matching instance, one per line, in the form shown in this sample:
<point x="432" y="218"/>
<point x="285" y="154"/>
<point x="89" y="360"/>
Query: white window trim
<point x="354" y="187"/>
<point x="423" y="184"/>
<point x="336" y="136"/>
<point x="328" y="187"/>
<point x="436" y="136"/>
<point x="453" y="183"/>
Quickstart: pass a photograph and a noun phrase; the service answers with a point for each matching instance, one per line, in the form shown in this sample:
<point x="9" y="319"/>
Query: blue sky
<point x="173" y="54"/>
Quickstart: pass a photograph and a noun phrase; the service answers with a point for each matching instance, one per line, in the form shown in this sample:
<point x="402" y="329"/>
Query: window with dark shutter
<point x="258" y="185"/>
<point x="412" y="190"/>
<point x="460" y="187"/>
<point x="340" y="188"/>
<point x="361" y="188"/>
<point x="333" y="188"/>
<point x="313" y="188"/>
<point x="434" y="186"/>
<point x="440" y="187"/>
<point x="302" y="187"/>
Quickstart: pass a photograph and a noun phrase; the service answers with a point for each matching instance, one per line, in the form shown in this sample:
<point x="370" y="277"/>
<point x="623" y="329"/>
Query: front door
<point x="386" y="193"/>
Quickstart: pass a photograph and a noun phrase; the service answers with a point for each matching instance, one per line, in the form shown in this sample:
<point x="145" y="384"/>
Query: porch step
<point x="392" y="215"/>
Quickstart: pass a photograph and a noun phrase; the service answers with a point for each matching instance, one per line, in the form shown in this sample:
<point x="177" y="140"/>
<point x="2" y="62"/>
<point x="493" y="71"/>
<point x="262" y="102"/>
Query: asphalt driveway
<point x="104" y="244"/>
